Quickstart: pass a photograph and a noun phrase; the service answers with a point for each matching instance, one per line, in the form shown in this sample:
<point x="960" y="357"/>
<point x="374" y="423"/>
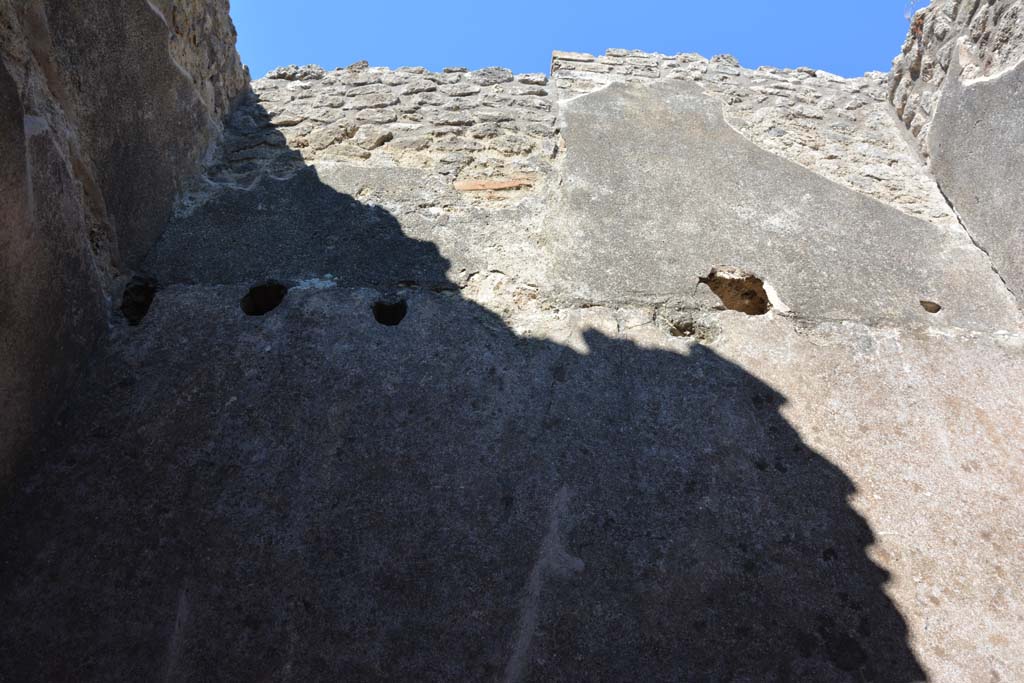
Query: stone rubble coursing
<point x="985" y="37"/>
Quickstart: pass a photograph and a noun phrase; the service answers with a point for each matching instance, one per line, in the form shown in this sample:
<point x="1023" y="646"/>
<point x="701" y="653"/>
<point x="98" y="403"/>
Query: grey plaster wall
<point x="977" y="143"/>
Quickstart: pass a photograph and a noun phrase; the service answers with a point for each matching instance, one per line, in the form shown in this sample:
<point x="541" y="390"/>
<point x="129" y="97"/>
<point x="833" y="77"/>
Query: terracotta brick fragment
<point x="493" y="184"/>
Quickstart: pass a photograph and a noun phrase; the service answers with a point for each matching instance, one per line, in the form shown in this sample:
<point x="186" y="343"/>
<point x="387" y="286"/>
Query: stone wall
<point x="465" y="125"/>
<point x="493" y="124"/>
<point x="487" y="361"/>
<point x="105" y="109"/>
<point x="957" y="86"/>
<point x="985" y="37"/>
<point x="458" y="156"/>
<point x="492" y="138"/>
<point x="837" y="127"/>
<point x="485" y="167"/>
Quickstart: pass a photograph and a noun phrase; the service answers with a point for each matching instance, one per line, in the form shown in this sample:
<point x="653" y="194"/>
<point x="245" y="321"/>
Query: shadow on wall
<point x="434" y="498"/>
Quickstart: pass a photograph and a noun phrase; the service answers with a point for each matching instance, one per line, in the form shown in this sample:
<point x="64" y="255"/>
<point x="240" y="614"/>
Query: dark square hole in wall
<point x="137" y="298"/>
<point x="390" y="312"/>
<point x="264" y="298"/>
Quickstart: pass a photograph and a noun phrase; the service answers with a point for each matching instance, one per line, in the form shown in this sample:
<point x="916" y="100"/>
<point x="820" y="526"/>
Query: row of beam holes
<point x="259" y="300"/>
<point x="264" y="298"/>
<point x="744" y="294"/>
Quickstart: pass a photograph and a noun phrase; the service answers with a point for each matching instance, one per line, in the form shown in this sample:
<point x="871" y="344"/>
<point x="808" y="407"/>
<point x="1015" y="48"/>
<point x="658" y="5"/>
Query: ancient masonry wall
<point x="459" y="124"/>
<point x="492" y="126"/>
<point x="94" y="97"/>
<point x="492" y="135"/>
<point x="488" y="149"/>
<point x="985" y="37"/>
<point x="838" y="127"/>
<point x="958" y="85"/>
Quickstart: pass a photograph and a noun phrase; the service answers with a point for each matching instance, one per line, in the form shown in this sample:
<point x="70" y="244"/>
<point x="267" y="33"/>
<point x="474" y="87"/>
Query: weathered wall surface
<point x="958" y="86"/>
<point x="985" y="38"/>
<point x="817" y="166"/>
<point x="546" y="235"/>
<point x="837" y="127"/>
<point x="977" y="156"/>
<point x="106" y="109"/>
<point x="659" y="368"/>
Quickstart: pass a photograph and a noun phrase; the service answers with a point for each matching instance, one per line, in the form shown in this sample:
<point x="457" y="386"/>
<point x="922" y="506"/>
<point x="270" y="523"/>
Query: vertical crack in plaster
<point x="553" y="559"/>
<point x="977" y="245"/>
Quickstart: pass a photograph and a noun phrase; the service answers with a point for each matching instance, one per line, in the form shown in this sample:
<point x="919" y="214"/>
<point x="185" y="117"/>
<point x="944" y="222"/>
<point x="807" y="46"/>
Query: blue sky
<point x="847" y="38"/>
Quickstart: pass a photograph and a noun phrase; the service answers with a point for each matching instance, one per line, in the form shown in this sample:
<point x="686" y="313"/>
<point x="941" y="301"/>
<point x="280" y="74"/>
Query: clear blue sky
<point x="847" y="37"/>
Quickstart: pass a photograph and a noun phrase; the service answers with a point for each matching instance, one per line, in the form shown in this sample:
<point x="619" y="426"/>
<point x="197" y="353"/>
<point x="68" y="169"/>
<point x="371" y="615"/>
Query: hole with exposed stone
<point x="930" y="306"/>
<point x="738" y="290"/>
<point x="262" y="299"/>
<point x="390" y="312"/>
